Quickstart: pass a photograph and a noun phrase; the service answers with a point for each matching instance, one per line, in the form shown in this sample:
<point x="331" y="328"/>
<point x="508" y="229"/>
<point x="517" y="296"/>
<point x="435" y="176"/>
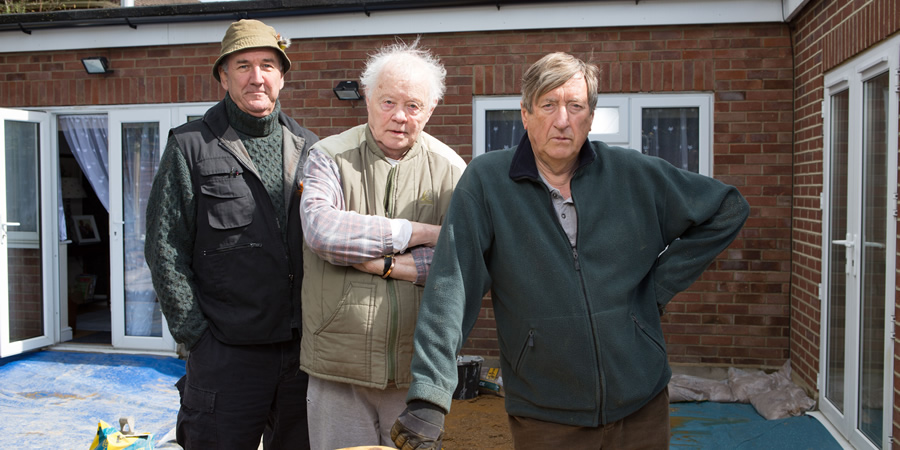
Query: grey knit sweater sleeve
<point x="171" y="226"/>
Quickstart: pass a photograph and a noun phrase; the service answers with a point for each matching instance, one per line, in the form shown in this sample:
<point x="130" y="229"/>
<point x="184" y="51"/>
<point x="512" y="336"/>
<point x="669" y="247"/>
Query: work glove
<point x="420" y="427"/>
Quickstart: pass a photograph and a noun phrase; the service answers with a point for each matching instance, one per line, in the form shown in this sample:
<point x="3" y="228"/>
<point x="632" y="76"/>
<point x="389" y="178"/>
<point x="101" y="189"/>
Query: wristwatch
<point x="388" y="266"/>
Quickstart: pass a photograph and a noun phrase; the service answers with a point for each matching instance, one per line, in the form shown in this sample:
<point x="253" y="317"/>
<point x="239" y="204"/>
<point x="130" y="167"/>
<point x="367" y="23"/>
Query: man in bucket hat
<point x="224" y="248"/>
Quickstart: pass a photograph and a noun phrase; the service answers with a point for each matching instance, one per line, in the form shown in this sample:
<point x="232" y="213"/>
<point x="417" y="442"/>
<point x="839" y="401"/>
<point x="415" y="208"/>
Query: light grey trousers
<point x="344" y="415"/>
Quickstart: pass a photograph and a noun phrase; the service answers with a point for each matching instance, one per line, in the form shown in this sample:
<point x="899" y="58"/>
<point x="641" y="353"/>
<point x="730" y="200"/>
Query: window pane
<point x="837" y="261"/>
<point x="874" y="257"/>
<point x="503" y="129"/>
<point x="606" y="121"/>
<point x="672" y="134"/>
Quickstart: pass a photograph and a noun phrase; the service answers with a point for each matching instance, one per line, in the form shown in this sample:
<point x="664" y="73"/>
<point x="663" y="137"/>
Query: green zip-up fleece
<point x="578" y="328"/>
<point x="357" y="327"/>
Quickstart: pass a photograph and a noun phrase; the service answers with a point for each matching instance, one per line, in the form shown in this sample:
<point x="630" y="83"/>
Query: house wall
<point x="825" y="34"/>
<point x="736" y="314"/>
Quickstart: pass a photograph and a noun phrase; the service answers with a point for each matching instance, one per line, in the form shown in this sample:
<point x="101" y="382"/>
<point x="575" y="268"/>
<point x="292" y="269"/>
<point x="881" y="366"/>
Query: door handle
<point x="850" y="258"/>
<point x="3" y="226"/>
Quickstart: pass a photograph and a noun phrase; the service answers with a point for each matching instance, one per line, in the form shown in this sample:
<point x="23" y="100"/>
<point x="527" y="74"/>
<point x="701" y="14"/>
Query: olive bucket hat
<point x="249" y="33"/>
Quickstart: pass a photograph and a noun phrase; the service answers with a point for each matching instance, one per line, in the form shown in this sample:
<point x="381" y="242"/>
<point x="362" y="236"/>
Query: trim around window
<point x="618" y="121"/>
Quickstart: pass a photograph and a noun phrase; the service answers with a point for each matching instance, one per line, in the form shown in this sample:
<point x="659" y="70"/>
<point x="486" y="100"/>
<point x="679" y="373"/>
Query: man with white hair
<point x="373" y="200"/>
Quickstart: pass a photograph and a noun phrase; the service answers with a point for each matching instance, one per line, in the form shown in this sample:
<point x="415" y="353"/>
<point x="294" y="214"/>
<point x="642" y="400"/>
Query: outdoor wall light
<point x="96" y="65"/>
<point x="347" y="90"/>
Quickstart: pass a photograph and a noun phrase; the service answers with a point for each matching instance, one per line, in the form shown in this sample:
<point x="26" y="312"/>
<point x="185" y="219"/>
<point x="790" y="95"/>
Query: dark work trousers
<point x="645" y="429"/>
<point x="231" y="395"/>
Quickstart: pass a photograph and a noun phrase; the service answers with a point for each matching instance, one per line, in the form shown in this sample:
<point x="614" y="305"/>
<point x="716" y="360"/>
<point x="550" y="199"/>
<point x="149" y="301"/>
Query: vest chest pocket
<point x="226" y="195"/>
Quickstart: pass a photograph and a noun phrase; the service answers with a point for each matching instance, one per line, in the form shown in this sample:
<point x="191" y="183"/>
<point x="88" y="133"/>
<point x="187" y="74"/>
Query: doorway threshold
<point x="831" y="429"/>
<point x="107" y="348"/>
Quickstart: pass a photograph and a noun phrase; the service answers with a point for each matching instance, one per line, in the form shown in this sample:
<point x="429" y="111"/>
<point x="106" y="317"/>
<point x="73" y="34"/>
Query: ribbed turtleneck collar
<point x="251" y="126"/>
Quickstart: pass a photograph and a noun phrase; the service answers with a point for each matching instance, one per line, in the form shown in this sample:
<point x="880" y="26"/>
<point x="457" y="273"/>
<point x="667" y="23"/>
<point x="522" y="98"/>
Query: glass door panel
<point x="26" y="292"/>
<point x="138" y="136"/>
<point x="873" y="258"/>
<point x="140" y="160"/>
<point x="838" y="260"/>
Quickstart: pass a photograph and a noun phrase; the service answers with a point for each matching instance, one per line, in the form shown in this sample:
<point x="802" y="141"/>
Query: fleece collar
<point x="524" y="166"/>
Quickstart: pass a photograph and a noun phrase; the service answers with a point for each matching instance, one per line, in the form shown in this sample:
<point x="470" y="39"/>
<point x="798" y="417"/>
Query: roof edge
<point x="212" y="11"/>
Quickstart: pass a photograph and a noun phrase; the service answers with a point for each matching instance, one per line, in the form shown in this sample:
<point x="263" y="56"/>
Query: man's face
<point x="253" y="79"/>
<point x="560" y="122"/>
<point x="399" y="106"/>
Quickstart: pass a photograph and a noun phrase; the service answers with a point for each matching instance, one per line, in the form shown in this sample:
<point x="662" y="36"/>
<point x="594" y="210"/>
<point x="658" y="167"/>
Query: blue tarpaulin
<point x="54" y="399"/>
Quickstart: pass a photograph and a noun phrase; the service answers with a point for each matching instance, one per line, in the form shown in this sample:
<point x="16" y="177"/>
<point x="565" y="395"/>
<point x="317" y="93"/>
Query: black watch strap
<point x="388" y="264"/>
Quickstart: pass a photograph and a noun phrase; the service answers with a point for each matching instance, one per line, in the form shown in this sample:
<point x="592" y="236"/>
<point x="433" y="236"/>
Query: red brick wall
<point x="736" y="314"/>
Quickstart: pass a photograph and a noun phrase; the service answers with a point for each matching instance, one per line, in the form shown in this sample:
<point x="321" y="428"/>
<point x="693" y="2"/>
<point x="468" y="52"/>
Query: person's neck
<point x="251" y="125"/>
<point x="396" y="155"/>
<point x="557" y="176"/>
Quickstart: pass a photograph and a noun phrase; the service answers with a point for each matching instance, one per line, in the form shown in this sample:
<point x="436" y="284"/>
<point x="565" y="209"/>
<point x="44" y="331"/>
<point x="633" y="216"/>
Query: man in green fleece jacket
<point x="224" y="249"/>
<point x="581" y="245"/>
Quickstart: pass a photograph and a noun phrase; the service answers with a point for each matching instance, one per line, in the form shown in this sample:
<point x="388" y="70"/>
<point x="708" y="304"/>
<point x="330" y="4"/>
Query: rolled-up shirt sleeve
<point x="338" y="236"/>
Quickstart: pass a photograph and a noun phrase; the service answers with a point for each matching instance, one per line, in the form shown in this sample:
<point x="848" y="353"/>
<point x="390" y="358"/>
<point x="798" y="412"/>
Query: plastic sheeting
<point x="54" y="399"/>
<point x="773" y="395"/>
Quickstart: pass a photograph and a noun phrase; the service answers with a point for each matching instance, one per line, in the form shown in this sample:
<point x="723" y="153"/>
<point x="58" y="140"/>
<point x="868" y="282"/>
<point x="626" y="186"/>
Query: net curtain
<point x="88" y="137"/>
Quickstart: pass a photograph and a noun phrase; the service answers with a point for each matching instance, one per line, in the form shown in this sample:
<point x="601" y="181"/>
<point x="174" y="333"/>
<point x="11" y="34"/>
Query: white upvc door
<point x="136" y="140"/>
<point x="859" y="246"/>
<point x="27" y="243"/>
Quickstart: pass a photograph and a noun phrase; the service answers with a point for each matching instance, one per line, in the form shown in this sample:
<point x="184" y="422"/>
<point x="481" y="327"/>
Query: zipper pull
<point x="531" y="338"/>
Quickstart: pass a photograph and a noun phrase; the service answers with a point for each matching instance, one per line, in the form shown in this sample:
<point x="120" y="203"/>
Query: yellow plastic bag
<point x="108" y="437"/>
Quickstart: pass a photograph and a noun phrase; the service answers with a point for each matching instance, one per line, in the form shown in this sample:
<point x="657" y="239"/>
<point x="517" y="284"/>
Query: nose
<point x="256" y="75"/>
<point x="399" y="115"/>
<point x="561" y="118"/>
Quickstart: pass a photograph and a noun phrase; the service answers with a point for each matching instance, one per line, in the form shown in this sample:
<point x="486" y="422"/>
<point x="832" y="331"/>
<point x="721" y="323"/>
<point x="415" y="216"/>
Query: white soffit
<point x="564" y="15"/>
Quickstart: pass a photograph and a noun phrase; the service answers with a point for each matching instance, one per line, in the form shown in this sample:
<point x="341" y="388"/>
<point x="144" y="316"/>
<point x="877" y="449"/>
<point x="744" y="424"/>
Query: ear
<point x="223" y="78"/>
<point x="524" y="115"/>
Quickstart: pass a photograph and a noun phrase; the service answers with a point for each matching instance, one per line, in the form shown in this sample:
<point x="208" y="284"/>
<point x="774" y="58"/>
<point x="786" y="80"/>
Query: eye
<point x="413" y="109"/>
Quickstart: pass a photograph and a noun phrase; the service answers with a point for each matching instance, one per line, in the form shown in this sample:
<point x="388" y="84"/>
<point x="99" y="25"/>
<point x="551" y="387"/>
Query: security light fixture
<point x="347" y="90"/>
<point x="96" y="65"/>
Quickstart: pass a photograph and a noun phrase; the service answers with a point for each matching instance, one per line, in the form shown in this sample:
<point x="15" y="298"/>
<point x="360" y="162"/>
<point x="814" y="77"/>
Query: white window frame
<point x="703" y="102"/>
<point x="480" y="107"/>
<point x="619" y="103"/>
<point x="629" y="107"/>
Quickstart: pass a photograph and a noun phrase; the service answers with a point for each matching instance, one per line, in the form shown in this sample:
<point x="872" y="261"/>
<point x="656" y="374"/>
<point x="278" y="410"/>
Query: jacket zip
<point x="529" y="343"/>
<point x="390" y="290"/>
<point x="587" y="305"/>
